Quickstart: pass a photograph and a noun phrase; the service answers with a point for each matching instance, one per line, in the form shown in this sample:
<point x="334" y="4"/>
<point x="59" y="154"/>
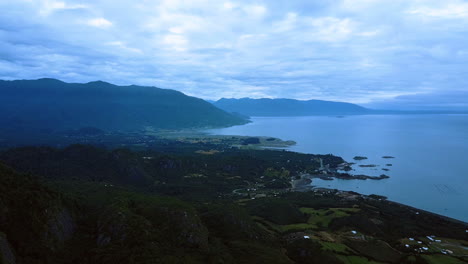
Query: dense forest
<point x="48" y="105"/>
<point x="88" y="204"/>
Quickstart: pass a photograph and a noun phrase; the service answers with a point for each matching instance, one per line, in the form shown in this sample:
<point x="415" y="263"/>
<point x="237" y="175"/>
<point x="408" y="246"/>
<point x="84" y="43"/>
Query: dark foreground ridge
<point x="182" y="202"/>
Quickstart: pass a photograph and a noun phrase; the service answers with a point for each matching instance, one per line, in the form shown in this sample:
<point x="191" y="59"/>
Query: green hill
<point x="49" y="104"/>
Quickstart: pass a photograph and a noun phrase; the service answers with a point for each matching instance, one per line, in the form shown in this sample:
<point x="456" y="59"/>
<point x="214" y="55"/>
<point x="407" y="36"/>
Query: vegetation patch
<point x="356" y="260"/>
<point x="177" y="206"/>
<point x="438" y="259"/>
<point x="276" y="210"/>
<point x="321" y="218"/>
<point x="336" y="247"/>
<point x="375" y="249"/>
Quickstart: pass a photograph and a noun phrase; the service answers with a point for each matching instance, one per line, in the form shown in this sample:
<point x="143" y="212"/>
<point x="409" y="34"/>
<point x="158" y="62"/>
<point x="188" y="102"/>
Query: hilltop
<point x="53" y="105"/>
<point x="288" y="107"/>
<point x="245" y="107"/>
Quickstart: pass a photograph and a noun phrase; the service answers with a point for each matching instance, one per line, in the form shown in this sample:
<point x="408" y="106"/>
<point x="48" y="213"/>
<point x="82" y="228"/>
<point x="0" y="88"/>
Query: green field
<point x="322" y="217"/>
<point x="356" y="260"/>
<point x="437" y="259"/>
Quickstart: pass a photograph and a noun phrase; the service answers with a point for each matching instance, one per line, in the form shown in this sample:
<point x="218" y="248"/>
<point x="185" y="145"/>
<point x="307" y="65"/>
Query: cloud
<point x="175" y="42"/>
<point x="286" y="24"/>
<point x="99" y="22"/>
<point x="361" y="51"/>
<point x="229" y="5"/>
<point x="50" y="6"/>
<point x="449" y="11"/>
<point x="256" y="11"/>
<point x="124" y="47"/>
<point x="442" y="100"/>
<point x="331" y="28"/>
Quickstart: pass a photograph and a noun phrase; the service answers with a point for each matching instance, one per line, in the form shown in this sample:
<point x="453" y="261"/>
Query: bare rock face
<point x="6" y="252"/>
<point x="152" y="225"/>
<point x="191" y="232"/>
<point x="60" y="228"/>
<point x="112" y="227"/>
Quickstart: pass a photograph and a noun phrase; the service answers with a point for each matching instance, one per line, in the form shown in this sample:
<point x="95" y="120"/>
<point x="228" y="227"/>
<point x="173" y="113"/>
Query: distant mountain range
<point x="50" y="104"/>
<point x="291" y="107"/>
<point x="288" y="107"/>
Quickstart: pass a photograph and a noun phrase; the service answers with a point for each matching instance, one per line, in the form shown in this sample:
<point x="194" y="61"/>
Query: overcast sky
<point x="403" y="53"/>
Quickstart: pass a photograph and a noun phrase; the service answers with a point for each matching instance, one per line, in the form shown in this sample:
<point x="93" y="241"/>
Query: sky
<point x="406" y="54"/>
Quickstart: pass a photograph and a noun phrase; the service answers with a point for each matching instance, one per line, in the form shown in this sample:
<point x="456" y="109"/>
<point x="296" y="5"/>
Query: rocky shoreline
<point x="305" y="180"/>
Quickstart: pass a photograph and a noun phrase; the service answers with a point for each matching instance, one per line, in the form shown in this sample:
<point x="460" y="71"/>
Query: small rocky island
<point x="368" y="166"/>
<point x="359" y="158"/>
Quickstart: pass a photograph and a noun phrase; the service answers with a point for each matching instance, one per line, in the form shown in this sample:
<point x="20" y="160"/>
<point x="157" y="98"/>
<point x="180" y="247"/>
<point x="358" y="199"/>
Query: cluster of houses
<point x="432" y="239"/>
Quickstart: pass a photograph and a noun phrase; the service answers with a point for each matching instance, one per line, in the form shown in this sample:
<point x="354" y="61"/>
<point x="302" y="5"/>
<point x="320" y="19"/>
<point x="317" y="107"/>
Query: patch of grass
<point x="322" y="217"/>
<point x="309" y="211"/>
<point x="283" y="228"/>
<point x="375" y="249"/>
<point x="276" y="210"/>
<point x="459" y="247"/>
<point x="335" y="247"/>
<point x="246" y="252"/>
<point x="348" y="210"/>
<point x="296" y="227"/>
<point x="436" y="259"/>
<point x="267" y="225"/>
<point x="317" y="219"/>
<point x="356" y="260"/>
<point x="267" y="228"/>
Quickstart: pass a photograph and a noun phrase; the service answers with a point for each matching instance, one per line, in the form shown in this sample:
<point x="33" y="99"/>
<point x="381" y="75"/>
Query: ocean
<point x="430" y="168"/>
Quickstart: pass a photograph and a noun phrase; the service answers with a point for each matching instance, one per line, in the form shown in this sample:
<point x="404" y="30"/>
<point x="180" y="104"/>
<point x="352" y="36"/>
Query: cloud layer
<point x="362" y="51"/>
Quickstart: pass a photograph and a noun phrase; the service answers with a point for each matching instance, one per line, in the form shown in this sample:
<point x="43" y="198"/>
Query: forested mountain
<point x="83" y="204"/>
<point x="288" y="107"/>
<point x="49" y="104"/>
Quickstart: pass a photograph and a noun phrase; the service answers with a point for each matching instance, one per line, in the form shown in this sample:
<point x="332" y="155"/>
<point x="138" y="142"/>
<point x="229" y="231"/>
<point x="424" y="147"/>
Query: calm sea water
<point x="430" y="169"/>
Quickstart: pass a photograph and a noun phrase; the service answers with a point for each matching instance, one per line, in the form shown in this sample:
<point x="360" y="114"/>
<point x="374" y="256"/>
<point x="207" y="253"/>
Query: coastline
<point x="416" y="172"/>
<point x="305" y="184"/>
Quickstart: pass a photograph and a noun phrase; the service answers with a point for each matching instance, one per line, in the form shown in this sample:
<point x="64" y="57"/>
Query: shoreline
<point x="384" y="160"/>
<point x="305" y="185"/>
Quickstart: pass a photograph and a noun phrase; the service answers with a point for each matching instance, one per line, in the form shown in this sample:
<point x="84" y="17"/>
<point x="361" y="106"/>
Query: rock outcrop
<point x="6" y="251"/>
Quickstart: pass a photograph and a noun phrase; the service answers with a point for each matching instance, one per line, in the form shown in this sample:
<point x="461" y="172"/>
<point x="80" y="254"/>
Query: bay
<point x="430" y="168"/>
